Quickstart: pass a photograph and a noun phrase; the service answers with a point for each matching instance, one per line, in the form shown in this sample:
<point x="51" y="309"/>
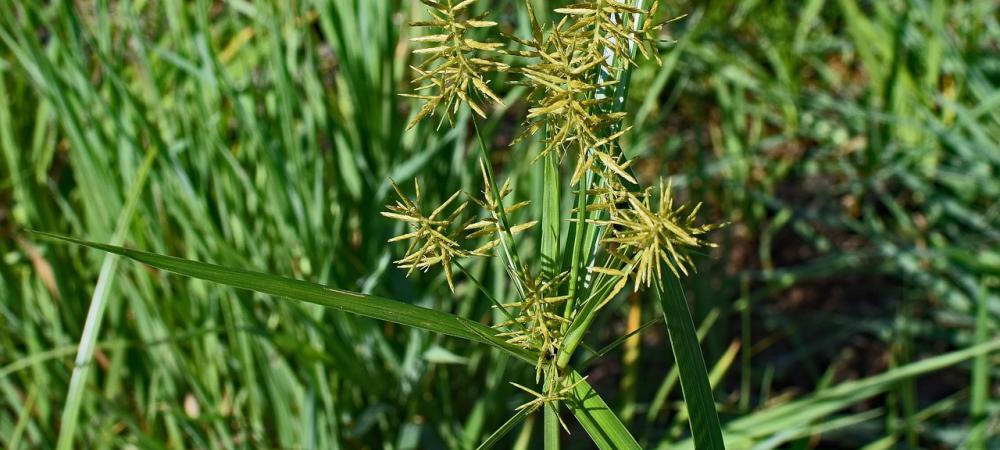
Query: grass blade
<point x="504" y="429"/>
<point x="551" y="264"/>
<point x="550" y="268"/>
<point x="597" y="419"/>
<point x="589" y="408"/>
<point x="803" y="412"/>
<point x="705" y="426"/>
<point x="304" y="291"/>
<point x="95" y="315"/>
<point x="980" y="376"/>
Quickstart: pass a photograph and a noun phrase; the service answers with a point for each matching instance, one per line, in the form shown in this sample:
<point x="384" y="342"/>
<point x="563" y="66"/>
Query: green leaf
<point x="590" y="410"/>
<point x="705" y="427"/>
<point x="503" y="430"/>
<point x="596" y="418"/>
<point x="801" y="413"/>
<point x="351" y="302"/>
<point x="551" y="266"/>
<point x="95" y="314"/>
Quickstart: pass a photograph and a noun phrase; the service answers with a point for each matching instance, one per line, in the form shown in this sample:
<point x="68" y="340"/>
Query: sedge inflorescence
<point x="573" y="67"/>
<point x="573" y="70"/>
<point x="452" y="73"/>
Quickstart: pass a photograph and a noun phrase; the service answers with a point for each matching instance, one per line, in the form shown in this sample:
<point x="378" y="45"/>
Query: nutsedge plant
<point x="569" y="68"/>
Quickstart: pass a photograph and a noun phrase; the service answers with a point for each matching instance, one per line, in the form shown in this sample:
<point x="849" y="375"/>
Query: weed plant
<point x="571" y="68"/>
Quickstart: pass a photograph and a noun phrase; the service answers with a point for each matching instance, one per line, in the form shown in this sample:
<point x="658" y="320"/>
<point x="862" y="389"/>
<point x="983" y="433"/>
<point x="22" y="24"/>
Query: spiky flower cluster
<point x="453" y="67"/>
<point x="491" y="225"/>
<point x="436" y="239"/>
<point x="539" y="323"/>
<point x="650" y="234"/>
<point x="572" y="69"/>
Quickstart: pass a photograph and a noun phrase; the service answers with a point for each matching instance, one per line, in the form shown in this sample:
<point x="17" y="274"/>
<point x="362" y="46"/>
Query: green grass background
<point x="853" y="146"/>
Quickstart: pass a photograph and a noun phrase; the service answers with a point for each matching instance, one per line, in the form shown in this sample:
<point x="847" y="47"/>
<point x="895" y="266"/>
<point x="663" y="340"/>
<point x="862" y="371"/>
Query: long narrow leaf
<point x="597" y="419"/>
<point x="351" y="302"/>
<point x="589" y="408"/>
<point x="95" y="314"/>
<point x="705" y="427"/>
<point x="801" y="413"/>
<point x="550" y="268"/>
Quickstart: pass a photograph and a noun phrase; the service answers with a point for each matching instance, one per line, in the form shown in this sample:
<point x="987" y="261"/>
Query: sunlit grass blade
<point x="95" y="315"/>
<point x="591" y="411"/>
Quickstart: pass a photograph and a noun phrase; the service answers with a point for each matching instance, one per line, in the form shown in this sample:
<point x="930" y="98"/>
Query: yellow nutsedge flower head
<point x="574" y="67"/>
<point x="538" y="324"/>
<point x="648" y="235"/>
<point x="613" y="28"/>
<point x="434" y="238"/>
<point x="453" y="67"/>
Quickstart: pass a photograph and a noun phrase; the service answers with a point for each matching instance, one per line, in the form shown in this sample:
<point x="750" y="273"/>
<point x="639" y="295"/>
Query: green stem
<point x="980" y="375"/>
<point x="95" y="315"/>
<point x="579" y="231"/>
<point x="506" y="237"/>
<point x="551" y="264"/>
<point x="603" y="286"/>
<point x="551" y="426"/>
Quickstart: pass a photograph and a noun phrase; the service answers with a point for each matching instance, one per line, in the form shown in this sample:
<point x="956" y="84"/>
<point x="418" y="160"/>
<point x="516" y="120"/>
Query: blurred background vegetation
<point x="853" y="146"/>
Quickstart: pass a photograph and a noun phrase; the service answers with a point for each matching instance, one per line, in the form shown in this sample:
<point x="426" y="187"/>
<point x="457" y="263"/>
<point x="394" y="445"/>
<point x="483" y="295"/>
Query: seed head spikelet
<point x="651" y="233"/>
<point x="452" y="71"/>
<point x="491" y="225"/>
<point x="566" y="73"/>
<point x="434" y="238"/>
<point x="538" y="311"/>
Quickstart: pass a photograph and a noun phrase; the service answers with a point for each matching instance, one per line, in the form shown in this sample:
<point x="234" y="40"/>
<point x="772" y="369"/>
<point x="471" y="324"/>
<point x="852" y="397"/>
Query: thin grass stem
<point x="95" y="315"/>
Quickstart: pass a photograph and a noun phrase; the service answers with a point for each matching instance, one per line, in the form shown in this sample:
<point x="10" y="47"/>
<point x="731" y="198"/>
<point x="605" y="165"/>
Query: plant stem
<point x="551" y="426"/>
<point x="551" y="264"/>
<point x="980" y="375"/>
<point x="95" y="315"/>
<point x="506" y="237"/>
<point x="577" y="252"/>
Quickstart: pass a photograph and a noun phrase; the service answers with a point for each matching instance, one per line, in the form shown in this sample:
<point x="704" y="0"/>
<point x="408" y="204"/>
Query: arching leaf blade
<point x="364" y="305"/>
